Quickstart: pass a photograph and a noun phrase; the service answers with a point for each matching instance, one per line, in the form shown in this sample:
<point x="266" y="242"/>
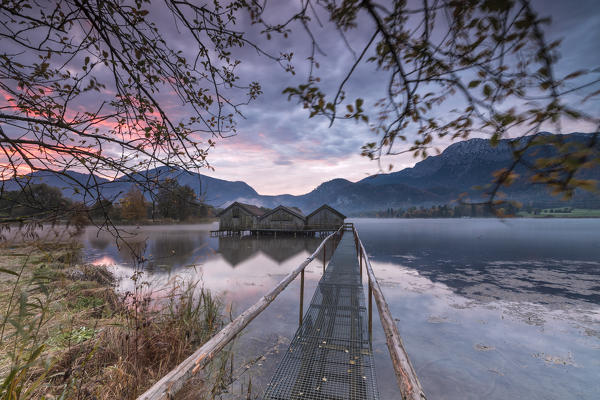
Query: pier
<point x="330" y="355"/>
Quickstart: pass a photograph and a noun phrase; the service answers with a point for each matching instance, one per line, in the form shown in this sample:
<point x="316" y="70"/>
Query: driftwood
<point x="172" y="382"/>
<point x="409" y="384"/>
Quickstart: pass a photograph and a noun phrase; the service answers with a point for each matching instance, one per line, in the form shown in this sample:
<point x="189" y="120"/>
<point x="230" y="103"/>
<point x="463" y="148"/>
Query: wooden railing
<point x="172" y="382"/>
<point x="410" y="387"/>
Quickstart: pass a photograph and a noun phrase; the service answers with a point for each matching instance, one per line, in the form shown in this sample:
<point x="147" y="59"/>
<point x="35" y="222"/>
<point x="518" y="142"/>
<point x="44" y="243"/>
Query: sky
<point x="280" y="150"/>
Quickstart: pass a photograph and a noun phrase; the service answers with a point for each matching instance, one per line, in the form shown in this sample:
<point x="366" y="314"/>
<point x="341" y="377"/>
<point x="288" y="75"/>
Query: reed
<point x="66" y="332"/>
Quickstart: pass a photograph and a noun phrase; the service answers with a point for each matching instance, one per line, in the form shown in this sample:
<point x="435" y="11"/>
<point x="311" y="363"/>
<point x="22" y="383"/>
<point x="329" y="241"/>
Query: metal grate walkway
<point x="330" y="356"/>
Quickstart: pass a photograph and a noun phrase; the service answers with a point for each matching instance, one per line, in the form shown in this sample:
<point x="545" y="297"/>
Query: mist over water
<point x="486" y="308"/>
<point x="493" y="309"/>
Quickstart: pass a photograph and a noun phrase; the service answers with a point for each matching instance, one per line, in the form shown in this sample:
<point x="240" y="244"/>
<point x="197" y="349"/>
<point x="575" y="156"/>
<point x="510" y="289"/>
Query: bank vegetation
<point x="66" y="332"/>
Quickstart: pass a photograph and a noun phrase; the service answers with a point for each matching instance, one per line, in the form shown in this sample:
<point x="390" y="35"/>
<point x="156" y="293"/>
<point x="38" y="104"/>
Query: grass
<point x="560" y="213"/>
<point x="67" y="333"/>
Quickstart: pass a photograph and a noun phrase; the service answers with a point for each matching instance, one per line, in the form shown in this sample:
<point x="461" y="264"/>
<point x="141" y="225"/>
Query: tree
<point x="89" y="85"/>
<point x="35" y="201"/>
<point x="101" y="208"/>
<point x="133" y="205"/>
<point x="176" y="201"/>
<point x="487" y="61"/>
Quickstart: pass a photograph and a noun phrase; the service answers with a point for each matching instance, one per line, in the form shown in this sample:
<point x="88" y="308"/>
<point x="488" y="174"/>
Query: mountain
<point x="461" y="165"/>
<point x="68" y="181"/>
<point x="436" y="180"/>
<point x="464" y="165"/>
<point x="214" y="191"/>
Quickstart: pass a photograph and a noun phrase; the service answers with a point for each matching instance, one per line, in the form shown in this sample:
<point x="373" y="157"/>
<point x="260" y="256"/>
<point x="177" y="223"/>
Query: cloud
<point x="278" y="149"/>
<point x="282" y="162"/>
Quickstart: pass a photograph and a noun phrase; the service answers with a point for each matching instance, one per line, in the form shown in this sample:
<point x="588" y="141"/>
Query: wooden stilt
<point x="301" y="297"/>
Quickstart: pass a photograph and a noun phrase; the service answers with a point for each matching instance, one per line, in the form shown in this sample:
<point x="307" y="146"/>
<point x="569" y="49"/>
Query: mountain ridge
<point x="438" y="179"/>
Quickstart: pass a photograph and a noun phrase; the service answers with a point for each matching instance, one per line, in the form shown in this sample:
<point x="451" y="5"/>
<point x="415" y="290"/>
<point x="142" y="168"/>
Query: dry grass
<point x="95" y="343"/>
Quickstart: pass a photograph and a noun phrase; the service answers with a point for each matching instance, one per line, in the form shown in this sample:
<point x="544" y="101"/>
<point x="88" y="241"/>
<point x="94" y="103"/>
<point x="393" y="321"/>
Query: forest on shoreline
<point x="481" y="211"/>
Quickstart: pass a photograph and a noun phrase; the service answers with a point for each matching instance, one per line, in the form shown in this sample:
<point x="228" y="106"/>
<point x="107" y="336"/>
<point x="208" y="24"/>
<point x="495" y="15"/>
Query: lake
<point x="486" y="308"/>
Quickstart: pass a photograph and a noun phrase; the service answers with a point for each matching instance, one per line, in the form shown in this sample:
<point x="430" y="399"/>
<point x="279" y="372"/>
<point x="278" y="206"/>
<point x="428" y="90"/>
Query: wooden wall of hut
<point x="282" y="219"/>
<point x="325" y="218"/>
<point x="236" y="218"/>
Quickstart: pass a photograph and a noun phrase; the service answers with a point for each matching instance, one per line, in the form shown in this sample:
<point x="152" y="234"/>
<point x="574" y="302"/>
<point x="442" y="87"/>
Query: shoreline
<point x="73" y="331"/>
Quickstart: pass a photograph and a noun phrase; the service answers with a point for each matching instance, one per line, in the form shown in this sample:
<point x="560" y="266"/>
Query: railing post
<point x="301" y="297"/>
<point x="370" y="311"/>
<point x="324" y="256"/>
<point x="360" y="258"/>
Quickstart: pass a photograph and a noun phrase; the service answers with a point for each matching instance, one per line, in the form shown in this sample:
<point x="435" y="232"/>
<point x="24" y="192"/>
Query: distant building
<point x="324" y="218"/>
<point x="239" y="217"/>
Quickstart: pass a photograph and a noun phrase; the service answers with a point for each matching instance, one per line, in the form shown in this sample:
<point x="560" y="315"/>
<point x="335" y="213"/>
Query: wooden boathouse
<point x="282" y="219"/>
<point x="325" y="218"/>
<point x="239" y="219"/>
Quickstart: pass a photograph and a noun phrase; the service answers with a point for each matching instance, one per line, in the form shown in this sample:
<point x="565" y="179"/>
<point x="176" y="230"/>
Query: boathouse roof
<point x="249" y="208"/>
<point x="294" y="211"/>
<point x="326" y="207"/>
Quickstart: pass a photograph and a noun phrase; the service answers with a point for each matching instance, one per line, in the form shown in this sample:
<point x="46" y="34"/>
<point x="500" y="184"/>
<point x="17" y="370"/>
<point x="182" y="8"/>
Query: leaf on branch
<point x="575" y="74"/>
<point x="487" y="90"/>
<point x="589" y="96"/>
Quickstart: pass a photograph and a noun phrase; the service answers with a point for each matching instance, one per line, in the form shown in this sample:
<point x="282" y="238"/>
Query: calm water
<point x="486" y="308"/>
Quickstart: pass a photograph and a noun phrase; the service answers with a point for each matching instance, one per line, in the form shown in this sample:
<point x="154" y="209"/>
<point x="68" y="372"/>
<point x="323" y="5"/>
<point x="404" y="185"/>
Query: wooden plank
<point x="172" y="382"/>
<point x="410" y="387"/>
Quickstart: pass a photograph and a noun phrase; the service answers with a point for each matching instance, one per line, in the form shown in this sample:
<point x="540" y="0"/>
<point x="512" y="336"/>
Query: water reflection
<point x="464" y="348"/>
<point x="491" y="309"/>
<point x="236" y="250"/>
<point x="175" y="247"/>
<point x="239" y="268"/>
<point x="487" y="309"/>
<point x="162" y="247"/>
<point x="548" y="262"/>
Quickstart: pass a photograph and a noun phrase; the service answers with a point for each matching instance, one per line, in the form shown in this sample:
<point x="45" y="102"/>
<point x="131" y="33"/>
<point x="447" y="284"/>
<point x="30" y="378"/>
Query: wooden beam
<point x="410" y="387"/>
<point x="172" y="382"/>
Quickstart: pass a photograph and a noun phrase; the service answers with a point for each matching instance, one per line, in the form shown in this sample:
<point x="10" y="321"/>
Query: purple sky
<point x="279" y="150"/>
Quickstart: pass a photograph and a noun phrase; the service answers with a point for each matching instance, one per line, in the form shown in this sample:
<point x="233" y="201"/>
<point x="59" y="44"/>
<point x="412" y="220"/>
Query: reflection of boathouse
<point x="240" y="218"/>
<point x="236" y="250"/>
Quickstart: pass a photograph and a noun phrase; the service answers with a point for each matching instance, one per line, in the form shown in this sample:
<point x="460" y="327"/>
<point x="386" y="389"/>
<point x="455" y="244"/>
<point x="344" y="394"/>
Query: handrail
<point x="172" y="382"/>
<point x="409" y="384"/>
